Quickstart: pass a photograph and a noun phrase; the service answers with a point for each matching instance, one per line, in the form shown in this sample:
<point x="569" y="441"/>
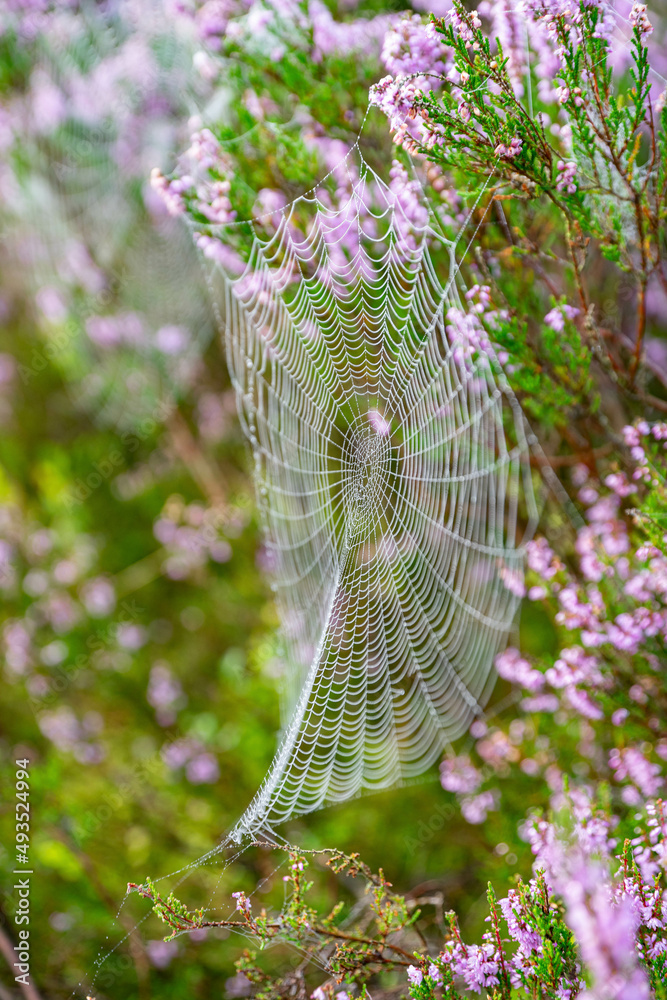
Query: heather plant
<point x="591" y="922"/>
<point x="552" y="112"/>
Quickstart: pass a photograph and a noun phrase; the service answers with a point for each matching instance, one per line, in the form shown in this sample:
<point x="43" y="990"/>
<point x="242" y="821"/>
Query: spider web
<point x="393" y="479"/>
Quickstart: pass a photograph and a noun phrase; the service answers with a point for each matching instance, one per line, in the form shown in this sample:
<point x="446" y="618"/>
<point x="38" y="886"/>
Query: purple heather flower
<point x="459" y="24"/>
<point x="541" y="703"/>
<point x="512" y="667"/>
<point x="458" y="774"/>
<point x="565" y="181"/>
<point x="99" y="597"/>
<point x="435" y="975"/>
<point x="160" y="953"/>
<point x="415" y="975"/>
<point x="202" y="770"/>
<point x="474" y="808"/>
<point x="242" y="902"/>
<point x="557" y="316"/>
<point x="541" y="559"/>
<point x="479" y="967"/>
<point x="171" y="339"/>
<point x="163" y="688"/>
<point x="639" y="18"/>
<point x="511" y="150"/>
<point x="631" y="764"/>
<point x="411" y="46"/>
<point x="527" y="938"/>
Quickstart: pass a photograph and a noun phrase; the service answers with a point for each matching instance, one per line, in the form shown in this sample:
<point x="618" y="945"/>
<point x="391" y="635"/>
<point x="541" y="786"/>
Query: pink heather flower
<point x="513" y="580"/>
<point x="638" y="694"/>
<point x="460" y="27"/>
<point x="479" y="967"/>
<point x="588" y="495"/>
<point x="603" y="510"/>
<point x="170" y="192"/>
<point x="411" y="214"/>
<point x="512" y="667"/>
<point x="566" y="181"/>
<point x="435" y="975"/>
<point x="579" y="474"/>
<point x="242" y="902"/>
<point x="172" y="339"/>
<point x="605" y="932"/>
<point x="557" y="316"/>
<point x="618" y="482"/>
<point x="631" y="436"/>
<point x="639" y="18"/>
<point x="51" y="303"/>
<point x="496" y="748"/>
<point x="160" y="953"/>
<point x="475" y="808"/>
<point x="528" y="939"/>
<point x="630" y="764"/>
<point x="202" y="770"/>
<point x="215" y="250"/>
<point x="480" y="297"/>
<point x="541" y="703"/>
<point x="574" y="666"/>
<point x="582" y="703"/>
<point x="163" y="688"/>
<point x="415" y="975"/>
<point x="510" y="151"/>
<point x="270" y="203"/>
<point x="464" y="112"/>
<point x="99" y="597"/>
<point x="458" y="774"/>
<point x="541" y="559"/>
<point x="626" y="633"/>
<point x="410" y="46"/>
<point x="131" y="636"/>
<point x="574" y="614"/>
<point x="619" y="716"/>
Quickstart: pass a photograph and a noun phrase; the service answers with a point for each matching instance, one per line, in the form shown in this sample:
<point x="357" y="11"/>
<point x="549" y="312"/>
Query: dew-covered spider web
<point x="393" y="479"/>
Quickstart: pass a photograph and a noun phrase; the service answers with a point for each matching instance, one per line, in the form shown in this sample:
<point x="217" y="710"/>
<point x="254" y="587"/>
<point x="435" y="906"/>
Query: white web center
<point x="367" y="473"/>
